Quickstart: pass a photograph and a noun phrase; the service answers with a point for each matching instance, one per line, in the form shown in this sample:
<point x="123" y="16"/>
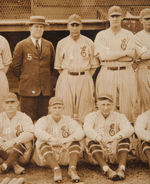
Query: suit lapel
<point x="44" y="47"/>
<point x="32" y="47"/>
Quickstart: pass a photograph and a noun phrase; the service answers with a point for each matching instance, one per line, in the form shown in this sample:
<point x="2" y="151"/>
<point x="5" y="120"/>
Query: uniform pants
<point x="143" y="79"/>
<point x="34" y="106"/>
<point x="122" y="85"/>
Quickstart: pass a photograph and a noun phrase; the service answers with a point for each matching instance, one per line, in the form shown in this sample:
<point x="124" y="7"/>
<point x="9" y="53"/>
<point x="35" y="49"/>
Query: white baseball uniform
<point x="75" y="84"/>
<point x="116" y="76"/>
<point x="142" y="130"/>
<point x="142" y="44"/>
<point x="46" y="128"/>
<point x="115" y="124"/>
<point x="5" y="60"/>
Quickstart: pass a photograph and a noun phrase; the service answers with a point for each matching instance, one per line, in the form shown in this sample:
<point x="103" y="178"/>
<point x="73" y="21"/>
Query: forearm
<point x="24" y="137"/>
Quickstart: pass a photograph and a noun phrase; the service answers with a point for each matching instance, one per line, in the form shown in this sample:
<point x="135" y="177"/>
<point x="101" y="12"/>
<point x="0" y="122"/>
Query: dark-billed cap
<point x="10" y="97"/>
<point x="74" y="19"/>
<point x="36" y="20"/>
<point x="115" y="10"/>
<point x="145" y="13"/>
<point x="55" y="100"/>
<point x="105" y="97"/>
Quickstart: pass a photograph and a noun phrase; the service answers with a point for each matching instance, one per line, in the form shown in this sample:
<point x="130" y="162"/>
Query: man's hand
<point x="66" y="140"/>
<point x="8" y="144"/>
<point x="52" y="141"/>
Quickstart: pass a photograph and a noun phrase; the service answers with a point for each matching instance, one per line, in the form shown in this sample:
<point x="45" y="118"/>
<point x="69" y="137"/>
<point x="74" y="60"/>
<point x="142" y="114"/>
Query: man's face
<point x="146" y="23"/>
<point x="37" y="30"/>
<point x="105" y="106"/>
<point x="56" y="111"/>
<point x="10" y="106"/>
<point x="74" y="29"/>
<point x="115" y="20"/>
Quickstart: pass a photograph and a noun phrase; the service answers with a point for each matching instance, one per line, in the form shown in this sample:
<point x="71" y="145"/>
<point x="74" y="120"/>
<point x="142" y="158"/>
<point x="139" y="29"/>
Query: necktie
<point x="38" y="47"/>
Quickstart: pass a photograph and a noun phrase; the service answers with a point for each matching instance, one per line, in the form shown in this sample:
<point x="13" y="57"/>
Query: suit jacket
<point x="35" y="71"/>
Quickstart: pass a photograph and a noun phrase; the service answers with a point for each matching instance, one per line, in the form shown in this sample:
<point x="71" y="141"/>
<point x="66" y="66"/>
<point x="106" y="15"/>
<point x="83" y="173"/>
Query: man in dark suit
<point x="33" y="61"/>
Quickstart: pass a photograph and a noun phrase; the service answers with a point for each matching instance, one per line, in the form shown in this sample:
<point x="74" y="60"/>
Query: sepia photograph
<point x="74" y="91"/>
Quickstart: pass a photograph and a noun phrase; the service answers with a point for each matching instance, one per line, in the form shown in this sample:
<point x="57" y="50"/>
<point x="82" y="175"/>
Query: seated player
<point x="142" y="130"/>
<point x="58" y="141"/>
<point x="107" y="137"/>
<point x="16" y="135"/>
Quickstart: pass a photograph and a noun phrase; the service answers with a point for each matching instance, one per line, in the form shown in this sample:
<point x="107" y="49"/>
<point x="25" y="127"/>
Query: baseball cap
<point x="10" y="97"/>
<point x="145" y="13"/>
<point x="105" y="97"/>
<point x="55" y="100"/>
<point x="115" y="10"/>
<point x="75" y="19"/>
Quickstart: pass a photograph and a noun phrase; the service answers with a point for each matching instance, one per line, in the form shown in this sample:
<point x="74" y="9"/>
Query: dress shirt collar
<point x="34" y="41"/>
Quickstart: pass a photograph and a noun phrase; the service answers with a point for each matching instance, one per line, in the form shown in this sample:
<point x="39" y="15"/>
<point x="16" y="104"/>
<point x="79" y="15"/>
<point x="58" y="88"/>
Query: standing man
<point x="33" y="61"/>
<point x="5" y="60"/>
<point x="107" y="137"/>
<point x="115" y="50"/>
<point x="142" y="41"/>
<point x="16" y="134"/>
<point x="76" y="65"/>
<point x="58" y="141"/>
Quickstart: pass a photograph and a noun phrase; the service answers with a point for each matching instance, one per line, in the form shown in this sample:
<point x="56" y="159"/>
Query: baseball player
<point x="142" y="43"/>
<point x="115" y="49"/>
<point x="107" y="137"/>
<point x="5" y="60"/>
<point x="16" y="134"/>
<point x="142" y="130"/>
<point x="58" y="141"/>
<point x="76" y="64"/>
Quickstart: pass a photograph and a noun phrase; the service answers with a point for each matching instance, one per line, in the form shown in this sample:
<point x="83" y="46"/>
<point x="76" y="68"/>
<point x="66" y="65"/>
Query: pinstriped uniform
<point x="115" y="125"/>
<point x="76" y="90"/>
<point x="116" y="76"/>
<point x="5" y="59"/>
<point x="46" y="128"/>
<point x="142" y="43"/>
<point x="142" y="130"/>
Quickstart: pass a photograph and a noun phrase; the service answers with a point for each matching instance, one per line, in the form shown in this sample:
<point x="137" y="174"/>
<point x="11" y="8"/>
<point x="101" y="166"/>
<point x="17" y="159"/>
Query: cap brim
<point x="42" y="23"/>
<point x="115" y="13"/>
<point x="10" y="99"/>
<point x="146" y="16"/>
<point x="74" y="22"/>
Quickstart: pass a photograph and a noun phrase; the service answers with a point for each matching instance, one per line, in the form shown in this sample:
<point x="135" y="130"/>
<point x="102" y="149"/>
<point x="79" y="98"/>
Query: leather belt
<point x="76" y="73"/>
<point x="116" y="67"/>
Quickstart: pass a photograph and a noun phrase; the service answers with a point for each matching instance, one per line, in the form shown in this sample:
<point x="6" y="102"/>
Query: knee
<point x="145" y="146"/>
<point x="124" y="145"/>
<point x="94" y="147"/>
<point x="45" y="149"/>
<point x="75" y="147"/>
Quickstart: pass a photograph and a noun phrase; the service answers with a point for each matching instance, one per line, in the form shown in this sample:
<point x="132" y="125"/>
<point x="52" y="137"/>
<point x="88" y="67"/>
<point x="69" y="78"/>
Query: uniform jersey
<point x="142" y="126"/>
<point x="142" y="43"/>
<point x="5" y="60"/>
<point x="75" y="56"/>
<point x="20" y="127"/>
<point x="116" y="76"/>
<point x="115" y="124"/>
<point x="76" y="90"/>
<point x="46" y="128"/>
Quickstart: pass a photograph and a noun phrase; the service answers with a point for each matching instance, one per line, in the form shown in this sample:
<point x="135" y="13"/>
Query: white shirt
<point x="34" y="41"/>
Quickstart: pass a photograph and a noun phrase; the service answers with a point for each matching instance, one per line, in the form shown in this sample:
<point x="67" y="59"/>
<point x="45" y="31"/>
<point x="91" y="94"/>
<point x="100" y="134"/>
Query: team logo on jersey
<point x="18" y="130"/>
<point x="123" y="44"/>
<point x="65" y="131"/>
<point x="84" y="51"/>
<point x="112" y="129"/>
